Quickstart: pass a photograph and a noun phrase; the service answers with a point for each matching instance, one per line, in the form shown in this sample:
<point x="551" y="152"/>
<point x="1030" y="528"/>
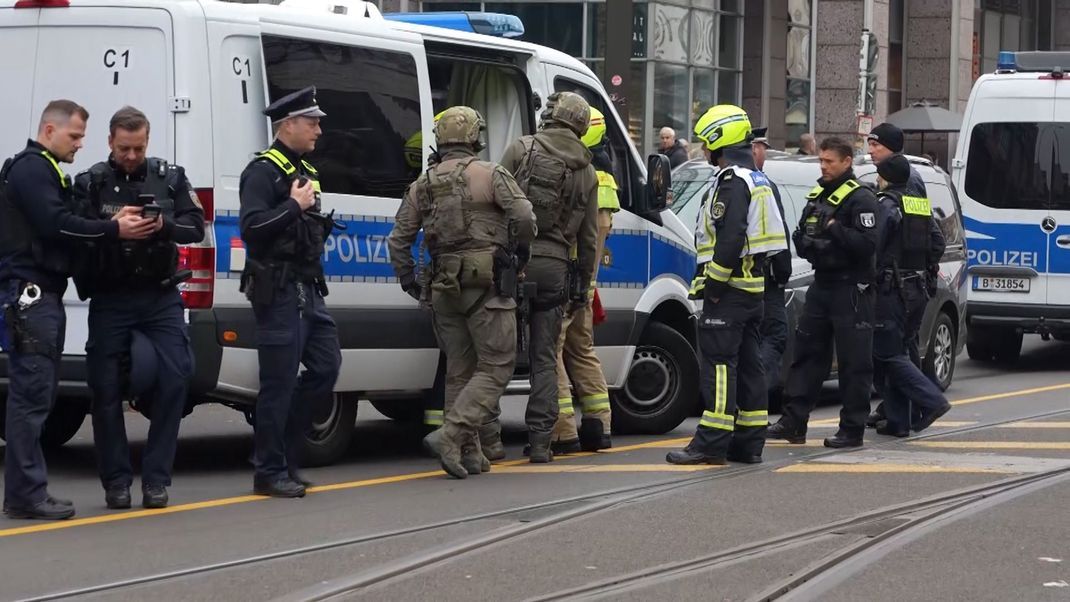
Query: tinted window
<point x="945" y="213"/>
<point x="1019" y="165"/>
<point x="689" y="186"/>
<point x="372" y="101"/>
<point x="619" y="152"/>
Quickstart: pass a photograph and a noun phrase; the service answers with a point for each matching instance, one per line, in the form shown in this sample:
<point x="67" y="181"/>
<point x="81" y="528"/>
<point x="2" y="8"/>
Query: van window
<point x="945" y="212"/>
<point x="689" y="186"/>
<point x="499" y="92"/>
<point x="1019" y="165"/>
<point x="619" y="149"/>
<point x="372" y="101"/>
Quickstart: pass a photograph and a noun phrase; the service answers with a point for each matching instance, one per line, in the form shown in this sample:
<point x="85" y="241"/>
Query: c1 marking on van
<point x="115" y="60"/>
<point x="1025" y="259"/>
<point x="243" y="69"/>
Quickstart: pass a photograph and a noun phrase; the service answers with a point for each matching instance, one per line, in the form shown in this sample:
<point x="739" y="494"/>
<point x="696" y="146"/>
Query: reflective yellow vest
<point x="607" y="192"/>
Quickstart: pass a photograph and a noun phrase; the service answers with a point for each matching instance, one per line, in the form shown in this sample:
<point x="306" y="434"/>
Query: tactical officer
<point x="474" y="218"/>
<point x="837" y="234"/>
<point x="885" y="141"/>
<point x="774" y="328"/>
<point x="908" y="244"/>
<point x="554" y="170"/>
<point x="738" y="226"/>
<point x="132" y="287"/>
<point x="38" y="226"/>
<point x="576" y="359"/>
<point x="284" y="233"/>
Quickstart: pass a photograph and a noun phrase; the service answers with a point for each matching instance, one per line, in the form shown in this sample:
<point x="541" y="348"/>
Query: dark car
<point x="795" y="175"/>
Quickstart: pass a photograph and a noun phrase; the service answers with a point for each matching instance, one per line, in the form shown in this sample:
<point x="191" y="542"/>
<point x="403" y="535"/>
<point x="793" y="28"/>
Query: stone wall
<point x="761" y="33"/>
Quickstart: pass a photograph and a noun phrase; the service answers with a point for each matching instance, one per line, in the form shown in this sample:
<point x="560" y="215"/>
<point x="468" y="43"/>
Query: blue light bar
<point x="1006" y="61"/>
<point x="491" y="24"/>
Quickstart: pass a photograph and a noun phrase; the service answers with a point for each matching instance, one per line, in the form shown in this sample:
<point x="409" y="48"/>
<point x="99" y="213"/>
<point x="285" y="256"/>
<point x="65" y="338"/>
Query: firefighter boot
<point x="490" y="440"/>
<point x="540" y="448"/>
<point x="448" y="453"/>
<point x="593" y="435"/>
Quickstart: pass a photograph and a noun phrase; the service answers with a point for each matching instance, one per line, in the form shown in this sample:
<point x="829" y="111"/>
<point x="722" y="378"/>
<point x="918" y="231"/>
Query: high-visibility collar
<point x="55" y="165"/>
<point x="279" y="159"/>
<point x="842" y="191"/>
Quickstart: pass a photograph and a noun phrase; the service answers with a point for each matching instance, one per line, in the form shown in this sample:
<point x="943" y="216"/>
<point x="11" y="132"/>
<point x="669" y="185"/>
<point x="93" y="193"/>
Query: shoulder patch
<point x="759" y="178"/>
<point x="867" y="219"/>
<point x="718" y="209"/>
<point x="195" y="200"/>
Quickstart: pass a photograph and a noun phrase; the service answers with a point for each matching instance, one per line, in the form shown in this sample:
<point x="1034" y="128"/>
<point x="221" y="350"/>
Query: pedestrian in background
<point x="672" y="147"/>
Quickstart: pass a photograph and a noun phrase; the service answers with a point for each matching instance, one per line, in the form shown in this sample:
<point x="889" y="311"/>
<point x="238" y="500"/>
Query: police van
<point x="1012" y="170"/>
<point x="202" y="70"/>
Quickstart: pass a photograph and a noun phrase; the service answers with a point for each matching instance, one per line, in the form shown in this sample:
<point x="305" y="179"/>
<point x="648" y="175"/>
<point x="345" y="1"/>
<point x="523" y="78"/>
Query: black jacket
<point x="677" y="154"/>
<point x="38" y="195"/>
<point x="778" y="267"/>
<point x="845" y="249"/>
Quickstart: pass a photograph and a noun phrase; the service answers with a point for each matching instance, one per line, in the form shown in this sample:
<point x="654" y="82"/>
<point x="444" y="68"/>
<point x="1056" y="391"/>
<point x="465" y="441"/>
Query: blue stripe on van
<point x="360" y="253"/>
<point x="1021" y="245"/>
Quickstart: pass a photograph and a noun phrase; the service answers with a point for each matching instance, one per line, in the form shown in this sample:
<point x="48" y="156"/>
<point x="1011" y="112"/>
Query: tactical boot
<point x="689" y="456"/>
<point x="928" y="417"/>
<point x="47" y="509"/>
<point x="885" y="427"/>
<point x="448" y="453"/>
<point x="593" y="435"/>
<point x="781" y="430"/>
<point x="473" y="459"/>
<point x="842" y="440"/>
<point x="281" y="486"/>
<point x="490" y="440"/>
<point x="153" y="496"/>
<point x="540" y="448"/>
<point x="117" y="497"/>
<point x="561" y="447"/>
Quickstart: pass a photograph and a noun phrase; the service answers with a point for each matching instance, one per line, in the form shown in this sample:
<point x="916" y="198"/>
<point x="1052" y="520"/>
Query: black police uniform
<point x="37" y="225"/>
<point x="909" y="243"/>
<point x="132" y="287"/>
<point x="839" y="306"/>
<point x="284" y="280"/>
<point x="774" y="328"/>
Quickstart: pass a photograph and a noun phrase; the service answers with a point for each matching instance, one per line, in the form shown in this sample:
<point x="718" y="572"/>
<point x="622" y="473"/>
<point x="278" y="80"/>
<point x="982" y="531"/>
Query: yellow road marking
<point x="995" y="444"/>
<point x="1034" y="391"/>
<point x="553" y="468"/>
<point x="885" y="468"/>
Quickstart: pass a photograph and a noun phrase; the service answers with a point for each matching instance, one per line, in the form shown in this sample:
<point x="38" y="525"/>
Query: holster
<point x="506" y="274"/>
<point x="259" y="281"/>
<point x="576" y="291"/>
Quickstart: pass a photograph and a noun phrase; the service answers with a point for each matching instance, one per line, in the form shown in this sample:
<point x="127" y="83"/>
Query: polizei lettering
<point x="370" y="248"/>
<point x="1025" y="259"/>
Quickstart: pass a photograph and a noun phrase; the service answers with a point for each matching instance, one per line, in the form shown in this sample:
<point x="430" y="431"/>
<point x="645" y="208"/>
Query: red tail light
<point x="43" y="4"/>
<point x="197" y="292"/>
<point x="207" y="198"/>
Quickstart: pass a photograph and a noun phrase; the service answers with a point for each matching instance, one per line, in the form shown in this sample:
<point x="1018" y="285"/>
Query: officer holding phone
<point x="133" y="291"/>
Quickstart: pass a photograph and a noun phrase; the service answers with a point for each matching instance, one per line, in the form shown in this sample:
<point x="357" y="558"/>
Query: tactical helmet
<point x="459" y="125"/>
<point x="568" y="109"/>
<point x="597" y="130"/>
<point x="723" y="126"/>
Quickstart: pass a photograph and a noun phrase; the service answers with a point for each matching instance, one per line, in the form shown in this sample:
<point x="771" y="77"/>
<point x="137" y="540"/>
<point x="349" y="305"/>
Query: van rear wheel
<point x="333" y="421"/>
<point x="662" y="385"/>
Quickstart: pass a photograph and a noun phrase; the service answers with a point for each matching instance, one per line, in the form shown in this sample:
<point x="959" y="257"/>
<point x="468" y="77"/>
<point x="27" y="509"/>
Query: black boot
<point x="153" y="496"/>
<point x="117" y="497"/>
<point x="781" y="430"/>
<point x="885" y="427"/>
<point x="593" y="435"/>
<point x="928" y="417"/>
<point x="282" y="486"/>
<point x="44" y="510"/>
<point x="688" y="456"/>
<point x="842" y="440"/>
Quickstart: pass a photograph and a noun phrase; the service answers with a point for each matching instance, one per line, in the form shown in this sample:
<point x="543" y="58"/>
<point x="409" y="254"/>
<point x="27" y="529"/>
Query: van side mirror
<point x="658" y="182"/>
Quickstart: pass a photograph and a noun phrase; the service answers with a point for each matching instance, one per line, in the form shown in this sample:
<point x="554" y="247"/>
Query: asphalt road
<point x="386" y="524"/>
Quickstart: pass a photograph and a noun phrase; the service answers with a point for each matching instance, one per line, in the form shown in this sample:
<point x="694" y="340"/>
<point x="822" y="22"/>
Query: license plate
<point x="1001" y="285"/>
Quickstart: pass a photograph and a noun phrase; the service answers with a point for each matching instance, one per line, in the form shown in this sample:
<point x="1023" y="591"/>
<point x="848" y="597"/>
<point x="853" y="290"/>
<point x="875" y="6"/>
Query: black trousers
<point x="731" y="378"/>
<point x="842" y="312"/>
<point x="774" y="331"/>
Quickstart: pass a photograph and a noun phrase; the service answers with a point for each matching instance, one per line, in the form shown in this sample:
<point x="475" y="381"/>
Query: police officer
<point x="553" y="168"/>
<point x="738" y="226"/>
<point x="907" y="246"/>
<point x="38" y="226"/>
<point x="474" y="217"/>
<point x="774" y="328"/>
<point x="577" y="361"/>
<point x="133" y="289"/>
<point x="837" y="234"/>
<point x="284" y="234"/>
<point x="886" y="141"/>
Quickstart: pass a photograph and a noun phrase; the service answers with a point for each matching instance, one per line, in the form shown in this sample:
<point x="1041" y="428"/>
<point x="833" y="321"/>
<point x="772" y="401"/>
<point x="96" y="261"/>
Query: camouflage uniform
<point x="554" y="169"/>
<point x="466" y="208"/>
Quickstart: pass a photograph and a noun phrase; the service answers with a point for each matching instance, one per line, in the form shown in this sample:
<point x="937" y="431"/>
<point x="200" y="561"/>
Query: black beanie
<point x="889" y="136"/>
<point x="894" y="169"/>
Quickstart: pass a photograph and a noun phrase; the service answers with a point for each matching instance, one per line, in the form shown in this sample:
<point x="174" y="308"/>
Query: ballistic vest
<point x="458" y="209"/>
<point x="302" y="242"/>
<point x="913" y="235"/>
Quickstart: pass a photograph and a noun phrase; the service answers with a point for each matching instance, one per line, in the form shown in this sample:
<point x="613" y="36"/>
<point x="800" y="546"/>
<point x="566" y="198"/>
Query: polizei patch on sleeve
<point x="718" y="209"/>
<point x="868" y="220"/>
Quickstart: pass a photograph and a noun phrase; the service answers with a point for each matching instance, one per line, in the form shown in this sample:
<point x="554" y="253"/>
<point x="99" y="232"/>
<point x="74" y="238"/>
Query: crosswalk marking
<point x="1050" y="445"/>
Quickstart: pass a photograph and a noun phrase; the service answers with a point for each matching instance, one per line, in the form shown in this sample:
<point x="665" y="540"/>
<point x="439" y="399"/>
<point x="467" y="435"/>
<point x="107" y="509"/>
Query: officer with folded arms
<point x="38" y="226"/>
<point x="284" y="235"/>
<point x="133" y="291"/>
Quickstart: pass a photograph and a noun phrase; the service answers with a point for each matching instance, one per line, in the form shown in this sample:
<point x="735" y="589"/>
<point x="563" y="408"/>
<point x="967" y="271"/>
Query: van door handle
<point x="1063" y="241"/>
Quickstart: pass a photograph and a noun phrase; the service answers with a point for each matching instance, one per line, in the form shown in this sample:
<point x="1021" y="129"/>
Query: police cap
<point x="299" y="104"/>
<point x="760" y="137"/>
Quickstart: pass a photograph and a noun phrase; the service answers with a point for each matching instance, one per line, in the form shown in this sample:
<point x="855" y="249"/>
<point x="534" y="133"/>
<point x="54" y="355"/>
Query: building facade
<point x="792" y="64"/>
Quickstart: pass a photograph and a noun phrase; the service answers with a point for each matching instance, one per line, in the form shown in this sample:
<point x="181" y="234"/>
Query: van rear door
<point x="102" y="58"/>
<point x="1059" y="240"/>
<point x="18" y="38"/>
<point x="1006" y="191"/>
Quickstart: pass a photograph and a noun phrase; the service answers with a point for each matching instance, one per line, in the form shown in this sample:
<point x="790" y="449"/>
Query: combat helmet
<point x="570" y="110"/>
<point x="460" y="125"/>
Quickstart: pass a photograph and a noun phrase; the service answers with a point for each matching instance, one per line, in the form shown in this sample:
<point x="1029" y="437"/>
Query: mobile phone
<point x="146" y="199"/>
<point x="151" y="211"/>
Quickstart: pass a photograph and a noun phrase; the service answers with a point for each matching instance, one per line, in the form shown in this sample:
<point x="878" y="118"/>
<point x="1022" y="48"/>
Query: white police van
<point x="1012" y="170"/>
<point x="202" y="71"/>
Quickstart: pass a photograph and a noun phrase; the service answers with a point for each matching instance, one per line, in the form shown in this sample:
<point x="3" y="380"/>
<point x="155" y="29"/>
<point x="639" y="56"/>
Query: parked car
<point x="795" y="175"/>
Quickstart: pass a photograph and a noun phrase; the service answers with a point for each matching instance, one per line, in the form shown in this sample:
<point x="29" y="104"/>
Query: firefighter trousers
<point x="731" y="377"/>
